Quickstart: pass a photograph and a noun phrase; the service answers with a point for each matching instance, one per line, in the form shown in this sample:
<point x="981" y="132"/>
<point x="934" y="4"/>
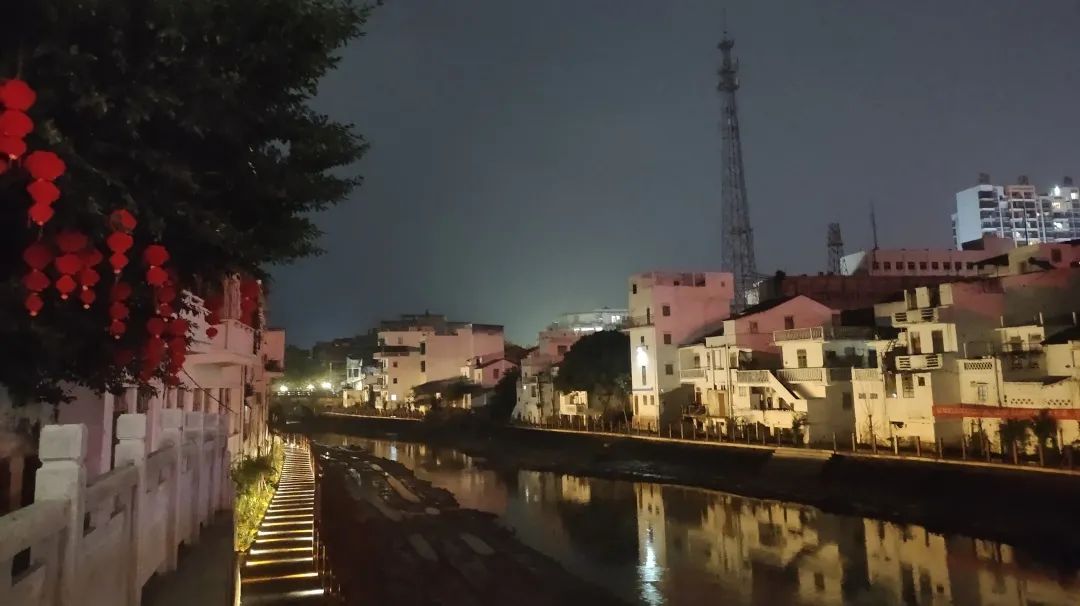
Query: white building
<point x="666" y="310"/>
<point x="1019" y="212"/>
<point x="591" y="321"/>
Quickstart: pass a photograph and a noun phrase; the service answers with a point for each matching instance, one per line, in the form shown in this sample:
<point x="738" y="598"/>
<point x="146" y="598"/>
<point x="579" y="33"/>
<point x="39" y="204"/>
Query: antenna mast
<point x="738" y="247"/>
<point x="836" y="248"/>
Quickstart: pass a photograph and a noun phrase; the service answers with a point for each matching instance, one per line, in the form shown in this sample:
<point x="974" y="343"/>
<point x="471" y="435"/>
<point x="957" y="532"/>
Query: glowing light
<point x="310" y="387"/>
<point x="326" y="385"/>
<point x="642" y="356"/>
<point x="283" y="388"/>
<point x="278" y="561"/>
<point x="393" y="397"/>
<point x="282" y="577"/>
<point x="1057" y="191"/>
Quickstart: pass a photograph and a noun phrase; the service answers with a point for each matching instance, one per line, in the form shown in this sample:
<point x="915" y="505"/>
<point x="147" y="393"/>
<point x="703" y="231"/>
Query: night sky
<point x="527" y="156"/>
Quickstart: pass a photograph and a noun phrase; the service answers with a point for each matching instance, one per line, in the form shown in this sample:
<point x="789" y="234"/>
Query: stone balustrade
<point x="98" y="543"/>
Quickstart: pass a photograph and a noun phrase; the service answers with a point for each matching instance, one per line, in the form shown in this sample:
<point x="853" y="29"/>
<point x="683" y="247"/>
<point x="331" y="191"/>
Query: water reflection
<point x="654" y="544"/>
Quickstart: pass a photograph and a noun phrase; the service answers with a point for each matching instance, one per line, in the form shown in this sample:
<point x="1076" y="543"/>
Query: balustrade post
<point x="172" y="436"/>
<point x="62" y="477"/>
<point x="193" y="432"/>
<point x="132" y="432"/>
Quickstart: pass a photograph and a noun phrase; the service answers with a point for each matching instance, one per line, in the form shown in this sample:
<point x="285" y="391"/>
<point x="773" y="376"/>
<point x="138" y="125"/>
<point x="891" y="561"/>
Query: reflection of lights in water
<point x="649" y="572"/>
<point x="393" y="452"/>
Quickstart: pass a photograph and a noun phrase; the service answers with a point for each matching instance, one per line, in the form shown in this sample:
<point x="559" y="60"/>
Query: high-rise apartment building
<point x="1018" y="212"/>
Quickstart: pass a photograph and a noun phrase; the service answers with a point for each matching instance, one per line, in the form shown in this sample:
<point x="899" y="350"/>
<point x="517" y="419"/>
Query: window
<point x="753" y="328"/>
<point x="801" y="356"/>
<point x="789" y="322"/>
<point x="911" y="265"/>
<point x="907" y="386"/>
<point x="922" y="265"/>
<point x="922" y="381"/>
<point x="845" y="401"/>
<point x="697" y="361"/>
<point x="888" y="265"/>
<point x="642" y="340"/>
<point x="1055" y="255"/>
<point x="970" y="266"/>
<point x="423" y="347"/>
<point x="933" y="265"/>
<point x="665" y="310"/>
<point x="562" y="348"/>
<point x="819" y="581"/>
<point x="946" y="265"/>
<point x="495" y="374"/>
<point x="915" y="340"/>
<point x="399" y="341"/>
<point x="644" y="380"/>
<point x="667" y="338"/>
<point x="394" y="364"/>
<point x="669" y="369"/>
<point x="633" y="289"/>
<point x="937" y="341"/>
<point x="981" y="390"/>
<point x="423" y="366"/>
<point x="394" y="381"/>
<point x="876" y="265"/>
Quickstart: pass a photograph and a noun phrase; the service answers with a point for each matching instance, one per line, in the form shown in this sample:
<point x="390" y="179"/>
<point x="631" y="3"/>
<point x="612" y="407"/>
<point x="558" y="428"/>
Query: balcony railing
<point x="637" y="321"/>
<point x="814" y="375"/>
<point x="865" y="374"/>
<point x="823" y="333"/>
<point x="749" y="377"/>
<point x="919" y="362"/>
<point x="916" y="316"/>
<point x="696" y="372"/>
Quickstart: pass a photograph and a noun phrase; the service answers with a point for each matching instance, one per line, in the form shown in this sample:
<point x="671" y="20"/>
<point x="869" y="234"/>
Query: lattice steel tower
<point x="738" y="250"/>
<point x="835" y="244"/>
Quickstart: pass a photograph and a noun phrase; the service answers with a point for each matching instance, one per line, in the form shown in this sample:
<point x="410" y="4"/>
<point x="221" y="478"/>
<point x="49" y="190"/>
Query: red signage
<point x="954" y="411"/>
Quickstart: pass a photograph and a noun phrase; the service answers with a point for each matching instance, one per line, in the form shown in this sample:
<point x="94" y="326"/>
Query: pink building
<point x="667" y="309"/>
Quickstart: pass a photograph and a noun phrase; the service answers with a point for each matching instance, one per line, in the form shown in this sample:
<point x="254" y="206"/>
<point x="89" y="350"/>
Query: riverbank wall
<point x="1014" y="505"/>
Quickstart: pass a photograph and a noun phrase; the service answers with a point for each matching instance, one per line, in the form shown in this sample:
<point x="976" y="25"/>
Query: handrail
<point x="110" y="484"/>
<point x="160" y="459"/>
<point x="27" y="526"/>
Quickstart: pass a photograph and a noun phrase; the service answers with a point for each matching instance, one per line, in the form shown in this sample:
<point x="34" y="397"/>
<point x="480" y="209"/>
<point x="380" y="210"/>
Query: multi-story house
<point x="666" y="310"/>
<point x="591" y="321"/>
<point x="418" y="349"/>
<point x="744" y="341"/>
<point x="1019" y="212"/>
<point x="950" y="262"/>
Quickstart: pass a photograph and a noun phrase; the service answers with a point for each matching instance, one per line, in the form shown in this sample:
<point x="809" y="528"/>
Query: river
<point x="653" y="544"/>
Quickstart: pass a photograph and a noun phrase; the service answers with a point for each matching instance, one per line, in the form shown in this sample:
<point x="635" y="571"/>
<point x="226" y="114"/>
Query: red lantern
<point x="88" y="277"/>
<point x="34" y="303"/>
<point x="40" y="214"/>
<point x="12" y="147"/>
<point x="87" y="297"/>
<point x="155" y="326"/>
<point x="120" y="291"/>
<point x="14" y="123"/>
<point x="37" y="255"/>
<point x="118" y="261"/>
<point x="69" y="263"/>
<point x="65" y="284"/>
<point x="155" y="254"/>
<point x="91" y="257"/>
<point x="156" y="276"/>
<point x="117" y="328"/>
<point x="119" y="242"/>
<point x="71" y="241"/>
<point x="155" y="350"/>
<point x="166" y="294"/>
<point x="249" y="288"/>
<point x="178" y="328"/>
<point x="36" y="281"/>
<point x="211" y="332"/>
<point x="43" y="192"/>
<point x="44" y="165"/>
<point x="118" y="311"/>
<point x="164" y="309"/>
<point x="16" y="94"/>
<point x="122" y="220"/>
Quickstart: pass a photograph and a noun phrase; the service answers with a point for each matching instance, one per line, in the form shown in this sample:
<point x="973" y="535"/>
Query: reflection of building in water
<point x="993" y="577"/>
<point x="575" y="489"/>
<point x="652" y="541"/>
<point x="908" y="563"/>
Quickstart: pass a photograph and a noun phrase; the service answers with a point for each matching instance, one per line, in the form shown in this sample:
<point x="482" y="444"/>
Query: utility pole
<point x="873" y="224"/>
<point x="738" y="247"/>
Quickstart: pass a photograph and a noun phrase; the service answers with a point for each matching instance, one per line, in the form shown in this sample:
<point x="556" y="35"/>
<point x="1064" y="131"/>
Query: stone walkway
<point x="205" y="574"/>
<point x="280" y="566"/>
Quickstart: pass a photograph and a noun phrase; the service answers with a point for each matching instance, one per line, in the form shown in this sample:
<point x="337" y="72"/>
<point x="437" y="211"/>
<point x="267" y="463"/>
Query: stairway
<point x="280" y="566"/>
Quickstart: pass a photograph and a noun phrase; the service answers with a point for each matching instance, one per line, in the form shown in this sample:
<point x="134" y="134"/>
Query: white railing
<point x="99" y="543"/>
<point x="914" y="316"/>
<point x="919" y="362"/>
<point x="823" y="333"/>
<point x="696" y="372"/>
<point x="801" y="375"/>
<point x="865" y="374"/>
<point x="747" y="377"/>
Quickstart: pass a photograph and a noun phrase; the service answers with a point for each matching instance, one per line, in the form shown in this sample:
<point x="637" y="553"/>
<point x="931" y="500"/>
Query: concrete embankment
<point x="1016" y="506"/>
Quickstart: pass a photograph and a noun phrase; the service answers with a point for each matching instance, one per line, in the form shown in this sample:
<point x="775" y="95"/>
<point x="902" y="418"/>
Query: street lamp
<point x="310" y="387"/>
<point x="326" y="385"/>
<point x="283" y="388"/>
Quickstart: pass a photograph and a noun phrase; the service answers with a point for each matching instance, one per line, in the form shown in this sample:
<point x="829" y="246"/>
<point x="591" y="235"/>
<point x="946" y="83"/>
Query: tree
<point x="598" y="363"/>
<point x="504" y="396"/>
<point x="1014" y="433"/>
<point x="1045" y="428"/>
<point x="191" y="115"/>
<point x="300" y="367"/>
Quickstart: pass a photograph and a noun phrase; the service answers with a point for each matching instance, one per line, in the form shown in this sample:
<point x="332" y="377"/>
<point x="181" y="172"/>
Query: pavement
<point x="205" y="574"/>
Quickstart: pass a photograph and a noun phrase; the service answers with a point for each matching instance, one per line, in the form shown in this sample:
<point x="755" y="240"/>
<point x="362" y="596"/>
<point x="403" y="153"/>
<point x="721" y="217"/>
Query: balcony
<point x="233" y="345"/>
<point x="752" y="377"/>
<point x="866" y="374"/>
<point x="919" y="362"/>
<point x="696" y="372"/>
<point x="916" y="316"/>
<point x="814" y="375"/>
<point x="823" y="333"/>
<point x="395" y="351"/>
<point x="637" y="322"/>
